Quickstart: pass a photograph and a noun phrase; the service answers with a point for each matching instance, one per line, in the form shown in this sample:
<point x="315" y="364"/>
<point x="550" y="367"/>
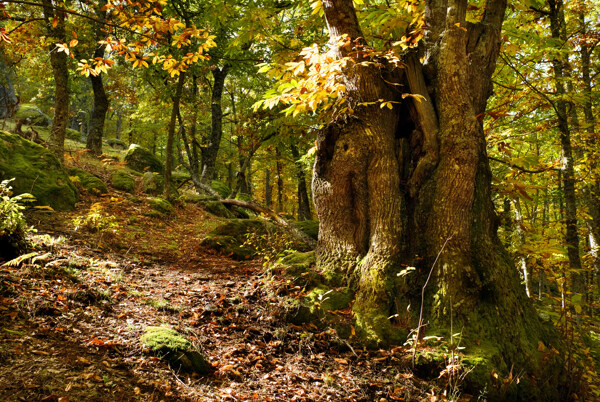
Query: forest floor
<point x="72" y="314"/>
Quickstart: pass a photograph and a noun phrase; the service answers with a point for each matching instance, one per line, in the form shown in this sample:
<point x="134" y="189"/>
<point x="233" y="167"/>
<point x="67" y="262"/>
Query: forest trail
<point x="72" y="317"/>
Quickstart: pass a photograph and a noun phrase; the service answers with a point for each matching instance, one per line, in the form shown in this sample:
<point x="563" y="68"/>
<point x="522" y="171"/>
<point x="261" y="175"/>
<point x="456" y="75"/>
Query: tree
<point x="402" y="178"/>
<point x="54" y="17"/>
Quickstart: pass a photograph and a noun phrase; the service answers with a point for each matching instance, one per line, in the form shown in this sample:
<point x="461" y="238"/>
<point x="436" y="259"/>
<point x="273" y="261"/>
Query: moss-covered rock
<point x="161" y="205"/>
<point x="299" y="267"/>
<point x="32" y="115"/>
<point x="73" y="135"/>
<point x="36" y="171"/>
<point x="323" y="299"/>
<point x="121" y="180"/>
<point x="217" y="208"/>
<point x="221" y="188"/>
<point x="116" y="143"/>
<point x="154" y="183"/>
<point x="92" y="184"/>
<point x="169" y="345"/>
<point x="141" y="159"/>
<point x="310" y="228"/>
<point x="180" y="177"/>
<point x="230" y="237"/>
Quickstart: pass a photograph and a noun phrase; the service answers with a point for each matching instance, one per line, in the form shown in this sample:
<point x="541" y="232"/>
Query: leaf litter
<point x="71" y="321"/>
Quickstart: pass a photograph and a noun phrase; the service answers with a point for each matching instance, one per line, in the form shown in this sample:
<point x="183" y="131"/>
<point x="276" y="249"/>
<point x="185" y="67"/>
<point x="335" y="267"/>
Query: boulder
<point x="161" y="205"/>
<point x="37" y="171"/>
<point x="169" y="345"/>
<point x="92" y="184"/>
<point x="220" y="188"/>
<point x="231" y="237"/>
<point x="309" y="228"/>
<point x="121" y="180"/>
<point x="31" y="115"/>
<point x="154" y="183"/>
<point x="116" y="143"/>
<point x="140" y="159"/>
<point x="217" y="208"/>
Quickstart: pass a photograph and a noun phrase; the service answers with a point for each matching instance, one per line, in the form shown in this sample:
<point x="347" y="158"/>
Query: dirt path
<point x="72" y="317"/>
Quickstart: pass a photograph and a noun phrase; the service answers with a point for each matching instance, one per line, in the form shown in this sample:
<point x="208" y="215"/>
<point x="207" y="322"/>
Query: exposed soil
<point x="72" y="314"/>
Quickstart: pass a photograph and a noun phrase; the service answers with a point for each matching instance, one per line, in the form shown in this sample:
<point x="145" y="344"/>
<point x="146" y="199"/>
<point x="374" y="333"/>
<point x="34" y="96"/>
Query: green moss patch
<point x="310" y="228"/>
<point x="32" y="115"/>
<point x="36" y="171"/>
<point x="217" y="208"/>
<point x="169" y="345"/>
<point x="91" y="183"/>
<point x="299" y="267"/>
<point x="221" y="188"/>
<point x="161" y="205"/>
<point x="121" y="180"/>
<point x="140" y="159"/>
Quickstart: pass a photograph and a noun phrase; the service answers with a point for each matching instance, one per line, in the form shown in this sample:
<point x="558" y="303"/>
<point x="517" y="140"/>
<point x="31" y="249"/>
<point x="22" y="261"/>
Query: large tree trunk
<point x="389" y="185"/>
<point x="60" y="71"/>
<point x="211" y="150"/>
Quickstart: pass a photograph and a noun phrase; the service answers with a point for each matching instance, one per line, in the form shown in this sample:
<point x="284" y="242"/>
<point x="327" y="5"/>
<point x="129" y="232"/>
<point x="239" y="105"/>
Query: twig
<point x="423" y="301"/>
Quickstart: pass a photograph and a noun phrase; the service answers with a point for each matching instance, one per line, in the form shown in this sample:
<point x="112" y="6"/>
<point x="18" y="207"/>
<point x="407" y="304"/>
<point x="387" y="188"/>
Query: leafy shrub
<point x="13" y="227"/>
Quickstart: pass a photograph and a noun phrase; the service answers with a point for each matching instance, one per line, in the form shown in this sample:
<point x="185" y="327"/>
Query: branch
<point x="522" y="169"/>
<point x="75" y="13"/>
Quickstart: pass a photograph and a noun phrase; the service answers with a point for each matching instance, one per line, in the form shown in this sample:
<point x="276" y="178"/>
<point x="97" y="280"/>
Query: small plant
<point x="96" y="220"/>
<point x="270" y="246"/>
<point x="13" y="227"/>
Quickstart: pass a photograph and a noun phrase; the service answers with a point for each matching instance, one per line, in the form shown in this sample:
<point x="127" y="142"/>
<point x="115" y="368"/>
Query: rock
<point x="140" y="159"/>
<point x="161" y="205"/>
<point x="220" y="188"/>
<point x="31" y="115"/>
<point x="169" y="345"/>
<point x="216" y="208"/>
<point x="73" y="135"/>
<point x="154" y="183"/>
<point x="310" y="228"/>
<point x="299" y="267"/>
<point x="121" y="180"/>
<point x="180" y="177"/>
<point x="116" y="143"/>
<point x="36" y="171"/>
<point x="91" y="183"/>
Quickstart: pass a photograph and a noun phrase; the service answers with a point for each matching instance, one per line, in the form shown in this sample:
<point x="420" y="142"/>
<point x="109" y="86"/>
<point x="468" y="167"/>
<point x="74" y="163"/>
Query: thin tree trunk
<point x="60" y="71"/>
<point x="279" y="169"/>
<point x="572" y="237"/>
<point x="268" y="189"/>
<point x="303" y="200"/>
<point x="211" y="150"/>
<point x="171" y="134"/>
<point x="100" y="108"/>
<point x="521" y="259"/>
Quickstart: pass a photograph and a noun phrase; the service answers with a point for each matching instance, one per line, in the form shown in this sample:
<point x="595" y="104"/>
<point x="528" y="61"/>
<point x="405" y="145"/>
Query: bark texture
<point x="60" y="72"/>
<point x="213" y="142"/>
<point x="392" y="187"/>
<point x="94" y="139"/>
